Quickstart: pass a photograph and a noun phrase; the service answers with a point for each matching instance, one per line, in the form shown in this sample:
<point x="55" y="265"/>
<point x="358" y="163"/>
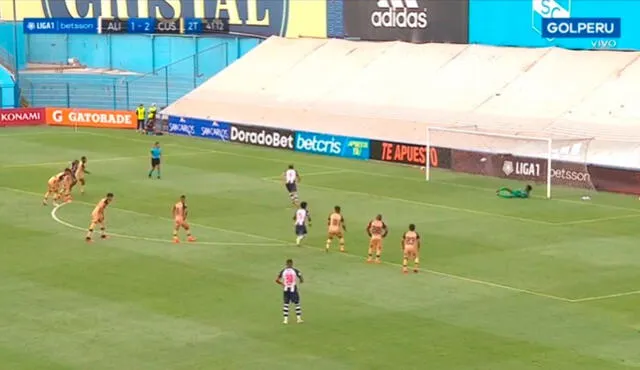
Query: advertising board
<point x="197" y="127"/>
<point x="416" y="21"/>
<point x="521" y="168"/>
<point x="615" y="180"/>
<point x="333" y="145"/>
<point x="263" y="136"/>
<point x="96" y="118"/>
<point x="572" y="24"/>
<point x="411" y="154"/>
<point x="22" y="117"/>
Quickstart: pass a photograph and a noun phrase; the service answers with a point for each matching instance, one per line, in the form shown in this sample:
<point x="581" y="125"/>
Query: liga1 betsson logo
<point x="262" y="137"/>
<point x="548" y="9"/>
<point x="507" y="167"/>
<point x="399" y="14"/>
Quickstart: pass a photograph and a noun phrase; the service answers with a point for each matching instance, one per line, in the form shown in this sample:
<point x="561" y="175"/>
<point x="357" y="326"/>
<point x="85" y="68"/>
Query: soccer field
<point x="505" y="285"/>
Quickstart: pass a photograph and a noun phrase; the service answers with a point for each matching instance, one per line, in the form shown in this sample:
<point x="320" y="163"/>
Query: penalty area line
<point x="280" y="242"/>
<point x="320" y="173"/>
<point x="603" y="297"/>
<point x="56" y="218"/>
<point x="600" y="219"/>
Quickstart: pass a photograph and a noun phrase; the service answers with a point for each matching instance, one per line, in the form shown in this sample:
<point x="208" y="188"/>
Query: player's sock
<point x="341" y="244"/>
<point x="103" y="233"/>
<point x="378" y="257"/>
<point x="405" y="262"/>
<point x="285" y="312"/>
<point x="150" y="173"/>
<point x="299" y="239"/>
<point x="328" y="245"/>
<point x="416" y="265"/>
<point x="299" y="313"/>
<point x="89" y="234"/>
<point x="175" y="236"/>
<point x="158" y="173"/>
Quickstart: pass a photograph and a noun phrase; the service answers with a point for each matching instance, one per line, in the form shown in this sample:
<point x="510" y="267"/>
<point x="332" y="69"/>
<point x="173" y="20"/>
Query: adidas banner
<point x="417" y="21"/>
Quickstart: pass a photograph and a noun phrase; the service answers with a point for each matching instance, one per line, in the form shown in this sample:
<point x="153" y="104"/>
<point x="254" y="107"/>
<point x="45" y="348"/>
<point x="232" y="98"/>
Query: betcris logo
<point x="338" y="146"/>
<point x="199" y="128"/>
<point x="258" y="17"/>
<point x="571" y="24"/>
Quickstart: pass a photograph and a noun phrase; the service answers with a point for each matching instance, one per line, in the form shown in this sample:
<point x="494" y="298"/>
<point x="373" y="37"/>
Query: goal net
<point x="530" y="159"/>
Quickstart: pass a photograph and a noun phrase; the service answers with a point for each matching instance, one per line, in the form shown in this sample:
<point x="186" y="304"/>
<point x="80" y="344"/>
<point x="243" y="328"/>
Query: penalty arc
<point x="57" y="219"/>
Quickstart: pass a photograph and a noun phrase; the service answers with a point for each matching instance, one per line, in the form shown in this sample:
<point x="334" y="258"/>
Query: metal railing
<point x="125" y="91"/>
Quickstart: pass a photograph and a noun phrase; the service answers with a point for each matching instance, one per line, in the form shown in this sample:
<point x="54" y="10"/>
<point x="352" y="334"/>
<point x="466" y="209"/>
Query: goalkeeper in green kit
<point x="508" y="193"/>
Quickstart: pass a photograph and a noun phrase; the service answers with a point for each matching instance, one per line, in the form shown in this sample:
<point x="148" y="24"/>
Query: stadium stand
<point x="340" y="86"/>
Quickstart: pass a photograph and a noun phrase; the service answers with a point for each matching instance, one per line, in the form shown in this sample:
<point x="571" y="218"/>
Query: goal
<point x="542" y="160"/>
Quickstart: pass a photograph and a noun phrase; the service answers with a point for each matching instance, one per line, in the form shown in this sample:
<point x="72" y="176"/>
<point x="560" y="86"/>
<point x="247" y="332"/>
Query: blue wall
<point x="518" y="22"/>
<point x="151" y="52"/>
<point x="167" y="67"/>
<point x="7" y="92"/>
<point x="7" y="43"/>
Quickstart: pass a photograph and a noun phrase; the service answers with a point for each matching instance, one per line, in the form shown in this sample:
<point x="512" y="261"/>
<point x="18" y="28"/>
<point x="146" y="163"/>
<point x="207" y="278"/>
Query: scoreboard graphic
<point x="262" y="18"/>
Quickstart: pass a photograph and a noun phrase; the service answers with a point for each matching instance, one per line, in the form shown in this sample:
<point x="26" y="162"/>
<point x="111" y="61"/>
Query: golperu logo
<point x="322" y="144"/>
<point x="399" y="14"/>
<point x="548" y="9"/>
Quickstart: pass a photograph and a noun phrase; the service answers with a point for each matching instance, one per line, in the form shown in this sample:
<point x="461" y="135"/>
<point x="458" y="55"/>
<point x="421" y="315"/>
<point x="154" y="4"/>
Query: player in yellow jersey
<point x="53" y="186"/>
<point x="98" y="218"/>
<point x="65" y="187"/>
<point x="180" y="218"/>
<point x="410" y="249"/>
<point x="337" y="227"/>
<point x="377" y="231"/>
<point x="81" y="170"/>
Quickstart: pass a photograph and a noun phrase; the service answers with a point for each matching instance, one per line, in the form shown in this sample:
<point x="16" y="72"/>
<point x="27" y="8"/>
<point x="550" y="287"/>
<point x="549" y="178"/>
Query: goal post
<point x="542" y="160"/>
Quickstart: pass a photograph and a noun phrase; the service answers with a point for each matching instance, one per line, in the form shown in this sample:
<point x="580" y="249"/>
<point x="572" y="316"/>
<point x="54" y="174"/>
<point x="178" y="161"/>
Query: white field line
<point x="602" y="297"/>
<point x="284" y="242"/>
<point x="202" y="150"/>
<point x="320" y="173"/>
<point x="99" y="160"/>
<point x="150" y="215"/>
<point x="372" y="173"/>
<point x="601" y="219"/>
<point x="36" y="133"/>
<point x="57" y="219"/>
<point x="432" y="205"/>
<point x="336" y="170"/>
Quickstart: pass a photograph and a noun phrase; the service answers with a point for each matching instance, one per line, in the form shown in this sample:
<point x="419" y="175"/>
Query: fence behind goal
<point x="549" y="161"/>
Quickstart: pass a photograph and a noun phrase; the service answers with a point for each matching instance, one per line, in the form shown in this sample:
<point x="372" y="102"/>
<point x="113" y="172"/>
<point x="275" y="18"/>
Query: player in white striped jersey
<point x="289" y="278"/>
<point x="301" y="219"/>
<point x="291" y="180"/>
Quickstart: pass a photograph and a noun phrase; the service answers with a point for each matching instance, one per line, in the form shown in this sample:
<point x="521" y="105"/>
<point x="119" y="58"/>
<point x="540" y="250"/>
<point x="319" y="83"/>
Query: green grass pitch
<point x="506" y="284"/>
